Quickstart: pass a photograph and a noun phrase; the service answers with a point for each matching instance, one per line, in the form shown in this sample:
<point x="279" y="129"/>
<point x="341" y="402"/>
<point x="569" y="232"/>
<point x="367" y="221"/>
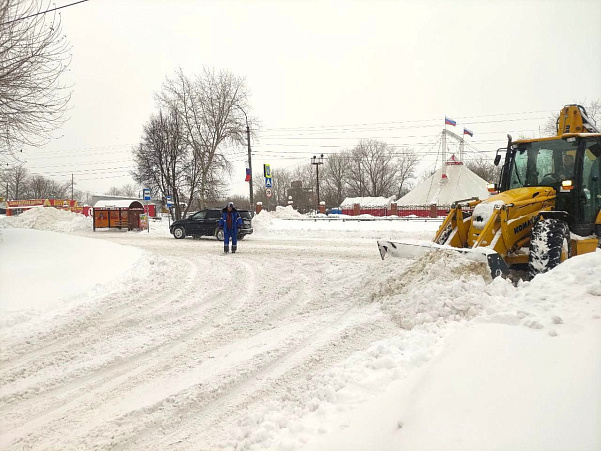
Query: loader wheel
<point x="549" y="246"/>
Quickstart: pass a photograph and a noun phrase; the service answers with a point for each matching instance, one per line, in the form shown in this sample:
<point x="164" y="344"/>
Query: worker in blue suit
<point x="230" y="222"/>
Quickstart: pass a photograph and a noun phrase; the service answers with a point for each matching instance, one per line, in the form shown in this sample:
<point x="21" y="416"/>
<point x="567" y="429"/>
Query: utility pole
<point x="250" y="163"/>
<point x="250" y="166"/>
<point x="317" y="161"/>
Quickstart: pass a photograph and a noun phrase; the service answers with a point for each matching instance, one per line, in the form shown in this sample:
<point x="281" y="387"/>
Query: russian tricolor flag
<point x="247" y="179"/>
<point x="449" y="121"/>
<point x="468" y="132"/>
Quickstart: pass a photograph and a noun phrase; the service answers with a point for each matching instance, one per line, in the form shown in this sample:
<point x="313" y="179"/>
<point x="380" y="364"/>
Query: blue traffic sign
<point x="169" y="201"/>
<point x="146" y="192"/>
<point x="268" y="183"/>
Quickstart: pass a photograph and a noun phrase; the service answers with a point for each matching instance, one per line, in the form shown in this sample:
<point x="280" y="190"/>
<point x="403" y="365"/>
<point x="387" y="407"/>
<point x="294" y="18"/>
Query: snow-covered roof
<point x="367" y="202"/>
<point x="116" y="203"/>
<point x="457" y="183"/>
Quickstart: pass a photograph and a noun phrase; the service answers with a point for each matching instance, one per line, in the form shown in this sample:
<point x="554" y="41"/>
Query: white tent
<point x="456" y="182"/>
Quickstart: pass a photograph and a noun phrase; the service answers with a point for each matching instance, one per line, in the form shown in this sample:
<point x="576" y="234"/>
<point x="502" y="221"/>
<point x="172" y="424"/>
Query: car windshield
<point x="543" y="163"/>
<point x="245" y="214"/>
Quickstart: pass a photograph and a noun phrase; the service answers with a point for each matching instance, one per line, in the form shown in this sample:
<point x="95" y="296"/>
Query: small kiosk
<point x="118" y="214"/>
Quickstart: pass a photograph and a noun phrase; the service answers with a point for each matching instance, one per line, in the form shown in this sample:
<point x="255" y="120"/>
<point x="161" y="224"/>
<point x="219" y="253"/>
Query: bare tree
<point x="406" y="162"/>
<point x="375" y="169"/>
<point x="336" y="177"/>
<point x="211" y="109"/>
<point x="484" y="168"/>
<point x="17" y="181"/>
<point x="114" y="191"/>
<point x="34" y="53"/>
<point x="164" y="163"/>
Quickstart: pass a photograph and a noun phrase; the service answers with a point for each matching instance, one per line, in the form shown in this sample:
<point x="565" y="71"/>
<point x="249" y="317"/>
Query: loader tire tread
<point x="549" y="246"/>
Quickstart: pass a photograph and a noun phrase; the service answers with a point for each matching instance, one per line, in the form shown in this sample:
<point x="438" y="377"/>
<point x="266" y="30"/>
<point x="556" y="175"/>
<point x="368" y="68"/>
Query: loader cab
<point x="572" y="166"/>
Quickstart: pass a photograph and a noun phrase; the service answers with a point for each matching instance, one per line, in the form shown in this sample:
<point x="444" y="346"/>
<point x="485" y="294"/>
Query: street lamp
<point x="317" y="161"/>
<point x="250" y="165"/>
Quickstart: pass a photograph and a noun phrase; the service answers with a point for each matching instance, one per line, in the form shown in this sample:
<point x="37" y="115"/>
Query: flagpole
<point x="444" y="148"/>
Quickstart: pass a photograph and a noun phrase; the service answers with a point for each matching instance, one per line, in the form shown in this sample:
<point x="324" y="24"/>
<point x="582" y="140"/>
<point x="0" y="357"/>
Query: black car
<point x="206" y="223"/>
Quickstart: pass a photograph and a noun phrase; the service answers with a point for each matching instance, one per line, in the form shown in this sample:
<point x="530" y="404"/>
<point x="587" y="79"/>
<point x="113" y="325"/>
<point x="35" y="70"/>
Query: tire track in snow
<point x="135" y="366"/>
<point x="230" y="323"/>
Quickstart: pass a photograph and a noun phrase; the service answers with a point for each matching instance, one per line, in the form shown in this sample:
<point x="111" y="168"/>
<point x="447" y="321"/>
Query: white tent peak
<point x="453" y="161"/>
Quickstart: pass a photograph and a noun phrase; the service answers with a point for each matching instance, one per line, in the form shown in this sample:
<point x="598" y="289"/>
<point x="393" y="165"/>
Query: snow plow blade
<point x="412" y="249"/>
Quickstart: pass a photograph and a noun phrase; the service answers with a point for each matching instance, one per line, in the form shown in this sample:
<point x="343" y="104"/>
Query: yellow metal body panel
<point x="584" y="246"/>
<point x="570" y="121"/>
<point x="507" y="229"/>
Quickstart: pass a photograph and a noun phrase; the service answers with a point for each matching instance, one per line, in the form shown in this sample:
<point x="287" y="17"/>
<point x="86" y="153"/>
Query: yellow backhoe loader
<point x="545" y="209"/>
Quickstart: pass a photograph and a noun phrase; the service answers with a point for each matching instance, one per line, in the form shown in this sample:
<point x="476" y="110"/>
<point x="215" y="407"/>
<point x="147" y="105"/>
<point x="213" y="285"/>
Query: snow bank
<point x="43" y="271"/>
<point x="524" y="374"/>
<point x="440" y="286"/>
<point x="50" y="219"/>
<point x="457" y="362"/>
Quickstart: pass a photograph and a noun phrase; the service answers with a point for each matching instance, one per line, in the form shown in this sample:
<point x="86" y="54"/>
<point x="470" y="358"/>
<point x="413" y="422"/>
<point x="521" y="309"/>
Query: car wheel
<point x="179" y="233"/>
<point x="219" y="234"/>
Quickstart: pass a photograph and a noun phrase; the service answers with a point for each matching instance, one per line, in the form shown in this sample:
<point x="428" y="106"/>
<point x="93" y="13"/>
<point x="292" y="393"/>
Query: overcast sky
<point x="323" y="75"/>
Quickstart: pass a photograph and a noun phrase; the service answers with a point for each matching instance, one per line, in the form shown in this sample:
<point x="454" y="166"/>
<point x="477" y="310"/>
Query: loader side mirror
<point x="497" y="159"/>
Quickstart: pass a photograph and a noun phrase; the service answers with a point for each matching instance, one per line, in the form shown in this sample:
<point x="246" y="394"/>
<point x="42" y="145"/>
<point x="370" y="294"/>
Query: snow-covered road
<point x="295" y="342"/>
<point x="169" y="364"/>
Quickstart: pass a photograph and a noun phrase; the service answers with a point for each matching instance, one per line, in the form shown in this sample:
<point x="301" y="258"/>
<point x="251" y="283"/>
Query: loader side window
<point x="518" y="173"/>
<point x="591" y="182"/>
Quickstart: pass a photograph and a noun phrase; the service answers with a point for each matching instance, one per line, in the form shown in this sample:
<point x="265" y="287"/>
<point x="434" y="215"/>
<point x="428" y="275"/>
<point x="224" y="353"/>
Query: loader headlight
<point x="567" y="185"/>
<point x="492" y="187"/>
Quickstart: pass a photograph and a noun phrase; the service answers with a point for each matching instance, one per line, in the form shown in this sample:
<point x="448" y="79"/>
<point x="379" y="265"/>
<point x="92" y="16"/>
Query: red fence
<point x="421" y="211"/>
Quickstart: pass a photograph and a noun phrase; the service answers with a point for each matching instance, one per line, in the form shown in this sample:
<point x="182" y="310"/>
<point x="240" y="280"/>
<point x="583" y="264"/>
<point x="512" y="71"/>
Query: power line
<point x="44" y="12"/>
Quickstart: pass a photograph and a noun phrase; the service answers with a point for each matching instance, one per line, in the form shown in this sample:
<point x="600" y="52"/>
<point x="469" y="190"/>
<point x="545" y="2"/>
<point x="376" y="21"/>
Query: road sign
<point x="268" y="183"/>
<point x="267" y="171"/>
<point x="146" y="192"/>
<point x="268" y="192"/>
<point x="169" y="201"/>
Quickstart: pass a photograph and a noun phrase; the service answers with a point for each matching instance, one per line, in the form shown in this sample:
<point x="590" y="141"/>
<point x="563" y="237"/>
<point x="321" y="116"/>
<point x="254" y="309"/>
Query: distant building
<point x="303" y="199"/>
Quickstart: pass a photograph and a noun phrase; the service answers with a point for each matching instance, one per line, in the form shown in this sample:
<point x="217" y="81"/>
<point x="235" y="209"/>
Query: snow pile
<point x="50" y="219"/>
<point x="440" y="286"/>
<point x="483" y="211"/>
<point x="287" y="212"/>
<point x="537" y="304"/>
<point x="263" y="221"/>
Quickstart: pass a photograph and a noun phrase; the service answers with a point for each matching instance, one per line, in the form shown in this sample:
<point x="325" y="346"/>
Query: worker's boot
<point x="234" y="247"/>
<point x="226" y="249"/>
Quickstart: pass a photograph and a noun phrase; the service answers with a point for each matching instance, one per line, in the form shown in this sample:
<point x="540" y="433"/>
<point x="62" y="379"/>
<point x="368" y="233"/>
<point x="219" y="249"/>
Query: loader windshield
<point x="542" y="163"/>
